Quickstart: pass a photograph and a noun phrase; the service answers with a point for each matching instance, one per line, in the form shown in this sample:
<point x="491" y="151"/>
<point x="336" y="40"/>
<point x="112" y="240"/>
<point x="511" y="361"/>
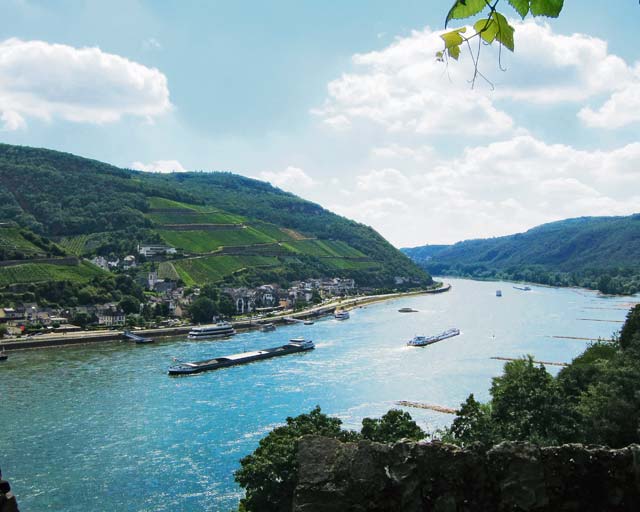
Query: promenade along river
<point x="102" y="427"/>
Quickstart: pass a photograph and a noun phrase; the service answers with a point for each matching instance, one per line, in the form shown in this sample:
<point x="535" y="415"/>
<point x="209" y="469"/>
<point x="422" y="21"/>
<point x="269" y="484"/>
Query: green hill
<point x="597" y="252"/>
<point x="225" y="227"/>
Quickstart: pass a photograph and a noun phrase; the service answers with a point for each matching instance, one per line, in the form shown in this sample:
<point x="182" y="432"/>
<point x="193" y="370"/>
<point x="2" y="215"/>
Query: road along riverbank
<point x="83" y="337"/>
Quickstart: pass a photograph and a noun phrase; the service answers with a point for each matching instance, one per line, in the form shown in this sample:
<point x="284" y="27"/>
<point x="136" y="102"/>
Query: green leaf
<point x="454" y="52"/>
<point x="549" y="8"/>
<point x="453" y="38"/>
<point x="487" y="28"/>
<point x="464" y="9"/>
<point x="522" y="6"/>
<point x="505" y="31"/>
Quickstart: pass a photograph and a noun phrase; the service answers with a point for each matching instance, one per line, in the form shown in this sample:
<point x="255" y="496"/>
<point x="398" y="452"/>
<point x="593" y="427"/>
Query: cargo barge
<point x="423" y="341"/>
<point x="294" y="346"/>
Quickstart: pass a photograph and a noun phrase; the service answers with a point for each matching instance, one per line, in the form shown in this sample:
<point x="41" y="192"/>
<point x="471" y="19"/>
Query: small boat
<point x="308" y="322"/>
<point x="3" y="355"/>
<point x="341" y="315"/>
<point x="422" y="341"/>
<point x="522" y="288"/>
<point x="407" y="310"/>
<point x="140" y="340"/>
<point x="498" y="293"/>
<point x="267" y="327"/>
<point x="295" y="345"/>
<point x="219" y="330"/>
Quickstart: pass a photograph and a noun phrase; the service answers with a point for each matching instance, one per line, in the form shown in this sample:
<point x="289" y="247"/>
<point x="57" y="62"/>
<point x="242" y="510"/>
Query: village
<point x="167" y="303"/>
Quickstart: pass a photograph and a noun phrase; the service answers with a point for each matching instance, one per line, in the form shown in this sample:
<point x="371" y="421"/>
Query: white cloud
<point x="161" y="166"/>
<point x="621" y="109"/>
<point x="293" y="179"/>
<point x="384" y="180"/>
<point x="491" y="190"/>
<point x="48" y="81"/>
<point x="403" y="89"/>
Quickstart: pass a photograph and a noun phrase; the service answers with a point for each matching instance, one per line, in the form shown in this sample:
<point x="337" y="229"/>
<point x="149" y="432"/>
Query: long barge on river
<point x="423" y="341"/>
<point x="294" y="346"/>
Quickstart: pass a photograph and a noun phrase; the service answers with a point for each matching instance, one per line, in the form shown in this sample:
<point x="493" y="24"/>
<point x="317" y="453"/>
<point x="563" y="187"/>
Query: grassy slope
<point x="88" y="205"/>
<point x="11" y="239"/>
<point x="39" y="272"/>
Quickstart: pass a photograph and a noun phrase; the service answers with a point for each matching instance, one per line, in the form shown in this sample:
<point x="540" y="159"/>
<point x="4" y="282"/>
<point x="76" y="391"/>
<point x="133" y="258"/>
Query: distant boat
<point x="308" y="322"/>
<point x="3" y="355"/>
<point x="219" y="330"/>
<point x="523" y="288"/>
<point x="422" y="341"/>
<point x="498" y="293"/>
<point x="341" y="315"/>
<point x="268" y="327"/>
<point x="407" y="310"/>
<point x="295" y="345"/>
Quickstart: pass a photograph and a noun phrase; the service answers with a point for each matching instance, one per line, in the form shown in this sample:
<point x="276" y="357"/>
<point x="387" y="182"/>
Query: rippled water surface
<point x="102" y="427"/>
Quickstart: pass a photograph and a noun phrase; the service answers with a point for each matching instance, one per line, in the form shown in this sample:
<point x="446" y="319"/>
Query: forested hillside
<point x="225" y="227"/>
<point x="597" y="252"/>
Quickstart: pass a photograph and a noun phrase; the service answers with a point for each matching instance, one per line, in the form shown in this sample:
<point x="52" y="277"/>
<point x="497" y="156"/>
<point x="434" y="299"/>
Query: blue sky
<point x="340" y="102"/>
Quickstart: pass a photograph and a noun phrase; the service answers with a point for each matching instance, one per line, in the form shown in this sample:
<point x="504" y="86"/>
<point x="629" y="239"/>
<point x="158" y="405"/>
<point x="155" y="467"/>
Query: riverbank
<point x="84" y="337"/>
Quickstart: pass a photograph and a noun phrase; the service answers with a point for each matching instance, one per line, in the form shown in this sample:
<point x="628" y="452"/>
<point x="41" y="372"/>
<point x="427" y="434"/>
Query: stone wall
<point x="409" y="476"/>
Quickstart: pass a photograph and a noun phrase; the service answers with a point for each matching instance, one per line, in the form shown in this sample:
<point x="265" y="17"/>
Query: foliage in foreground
<point x="594" y="400"/>
<point x="269" y="473"/>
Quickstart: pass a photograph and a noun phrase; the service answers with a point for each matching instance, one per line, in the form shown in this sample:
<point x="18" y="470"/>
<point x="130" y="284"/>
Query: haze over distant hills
<point x="597" y="252"/>
<point x="226" y="228"/>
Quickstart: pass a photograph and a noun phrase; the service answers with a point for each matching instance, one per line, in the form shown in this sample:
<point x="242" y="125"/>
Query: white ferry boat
<point x="341" y="315"/>
<point x="421" y="341"/>
<point x="219" y="330"/>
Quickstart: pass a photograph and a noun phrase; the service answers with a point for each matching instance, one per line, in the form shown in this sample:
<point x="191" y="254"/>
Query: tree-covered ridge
<point x="597" y="252"/>
<point x="91" y="208"/>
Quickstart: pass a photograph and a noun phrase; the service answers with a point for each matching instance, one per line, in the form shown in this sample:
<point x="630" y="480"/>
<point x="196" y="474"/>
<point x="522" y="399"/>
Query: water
<point x="102" y="427"/>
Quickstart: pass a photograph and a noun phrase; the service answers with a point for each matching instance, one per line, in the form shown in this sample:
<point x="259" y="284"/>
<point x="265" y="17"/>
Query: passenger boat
<point x="498" y="293"/>
<point x="294" y="346"/>
<point x="268" y="327"/>
<point x="523" y="288"/>
<point x="219" y="330"/>
<point x="421" y="341"/>
<point x="407" y="310"/>
<point x="341" y="315"/>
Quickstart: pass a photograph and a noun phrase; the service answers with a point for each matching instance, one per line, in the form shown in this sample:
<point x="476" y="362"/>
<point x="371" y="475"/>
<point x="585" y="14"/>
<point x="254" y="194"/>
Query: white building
<point x="155" y="250"/>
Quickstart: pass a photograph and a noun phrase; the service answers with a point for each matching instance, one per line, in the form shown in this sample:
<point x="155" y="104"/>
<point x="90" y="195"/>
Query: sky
<point x="342" y="103"/>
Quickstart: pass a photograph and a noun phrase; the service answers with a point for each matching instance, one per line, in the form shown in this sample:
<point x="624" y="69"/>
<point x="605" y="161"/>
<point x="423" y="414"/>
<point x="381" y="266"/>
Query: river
<point x="102" y="426"/>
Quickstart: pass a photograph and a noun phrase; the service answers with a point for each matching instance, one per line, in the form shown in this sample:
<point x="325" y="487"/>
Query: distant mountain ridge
<point x="596" y="252"/>
<point x="226" y="228"/>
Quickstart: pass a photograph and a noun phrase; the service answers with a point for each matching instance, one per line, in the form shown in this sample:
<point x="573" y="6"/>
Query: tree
<point x="393" y="426"/>
<point x="129" y="304"/>
<point x="226" y="306"/>
<point x="527" y="404"/>
<point x="493" y="28"/>
<point x="81" y="319"/>
<point x="3" y="331"/>
<point x="269" y="473"/>
<point x="202" y="310"/>
<point x="473" y="423"/>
